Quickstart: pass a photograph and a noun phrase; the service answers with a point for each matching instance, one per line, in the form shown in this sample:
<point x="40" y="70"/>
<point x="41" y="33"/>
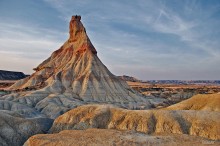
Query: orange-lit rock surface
<point x="208" y="102"/>
<point x="103" y="137"/>
<point x="199" y="123"/>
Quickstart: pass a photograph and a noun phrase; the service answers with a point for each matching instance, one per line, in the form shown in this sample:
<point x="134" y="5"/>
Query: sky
<point x="147" y="39"/>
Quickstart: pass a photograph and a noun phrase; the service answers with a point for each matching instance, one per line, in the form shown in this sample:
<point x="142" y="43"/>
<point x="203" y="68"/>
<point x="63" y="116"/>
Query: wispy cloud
<point x="189" y="31"/>
<point x="21" y="43"/>
<point x="148" y="39"/>
<point x="150" y="35"/>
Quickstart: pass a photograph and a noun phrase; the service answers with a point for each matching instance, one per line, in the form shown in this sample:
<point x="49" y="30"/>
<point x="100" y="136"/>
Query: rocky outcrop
<point x="103" y="137"/>
<point x="208" y="102"/>
<point x="11" y="75"/>
<point x="16" y="129"/>
<point x="196" y="123"/>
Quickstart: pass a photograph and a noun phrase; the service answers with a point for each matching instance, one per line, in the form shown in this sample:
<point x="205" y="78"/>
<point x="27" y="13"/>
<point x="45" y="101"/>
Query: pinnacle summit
<point x="76" y="17"/>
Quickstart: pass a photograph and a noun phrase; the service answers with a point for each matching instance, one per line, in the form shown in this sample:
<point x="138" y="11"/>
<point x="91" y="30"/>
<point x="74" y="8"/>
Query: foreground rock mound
<point x="208" y="102"/>
<point x="103" y="137"/>
<point x="16" y="129"/>
<point x="200" y="123"/>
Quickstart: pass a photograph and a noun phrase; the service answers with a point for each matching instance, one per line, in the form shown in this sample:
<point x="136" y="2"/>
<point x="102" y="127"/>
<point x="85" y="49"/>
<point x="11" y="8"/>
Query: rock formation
<point x="195" y="123"/>
<point x="76" y="69"/>
<point x="73" y="75"/>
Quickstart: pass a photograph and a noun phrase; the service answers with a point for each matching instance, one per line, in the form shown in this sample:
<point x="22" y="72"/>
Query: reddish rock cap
<point x="76" y="18"/>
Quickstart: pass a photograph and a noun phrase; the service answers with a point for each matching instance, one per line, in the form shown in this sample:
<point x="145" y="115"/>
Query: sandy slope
<point x="103" y="137"/>
<point x="200" y="123"/>
<point x="208" y="102"/>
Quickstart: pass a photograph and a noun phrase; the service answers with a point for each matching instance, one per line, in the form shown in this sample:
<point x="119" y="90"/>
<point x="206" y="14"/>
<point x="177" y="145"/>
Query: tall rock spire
<point x="78" y="36"/>
<point x="74" y="70"/>
<point x="76" y="29"/>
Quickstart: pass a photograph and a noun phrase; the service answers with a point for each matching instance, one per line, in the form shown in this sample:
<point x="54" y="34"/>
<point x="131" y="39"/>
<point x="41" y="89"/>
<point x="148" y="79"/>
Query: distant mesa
<point x="11" y="75"/>
<point x="129" y="78"/>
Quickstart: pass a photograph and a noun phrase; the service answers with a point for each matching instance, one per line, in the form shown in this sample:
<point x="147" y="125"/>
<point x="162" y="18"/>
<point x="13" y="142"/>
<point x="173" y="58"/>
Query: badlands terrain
<point x="174" y="91"/>
<point x="73" y="99"/>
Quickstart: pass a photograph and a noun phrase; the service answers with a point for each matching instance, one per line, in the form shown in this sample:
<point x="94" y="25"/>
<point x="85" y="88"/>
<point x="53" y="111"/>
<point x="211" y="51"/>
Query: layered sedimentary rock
<point x="76" y="69"/>
<point x="104" y="137"/>
<point x="199" y="123"/>
<point x="208" y="102"/>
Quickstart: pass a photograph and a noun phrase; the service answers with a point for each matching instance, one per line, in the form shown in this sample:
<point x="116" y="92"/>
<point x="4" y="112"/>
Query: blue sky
<point x="148" y="39"/>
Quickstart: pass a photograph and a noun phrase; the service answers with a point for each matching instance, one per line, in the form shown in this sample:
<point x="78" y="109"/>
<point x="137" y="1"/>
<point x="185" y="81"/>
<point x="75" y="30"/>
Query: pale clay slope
<point x="72" y="76"/>
<point x="103" y="137"/>
<point x="208" y="102"/>
<point x="199" y="123"/>
<point x="16" y="129"/>
<point x="20" y="109"/>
